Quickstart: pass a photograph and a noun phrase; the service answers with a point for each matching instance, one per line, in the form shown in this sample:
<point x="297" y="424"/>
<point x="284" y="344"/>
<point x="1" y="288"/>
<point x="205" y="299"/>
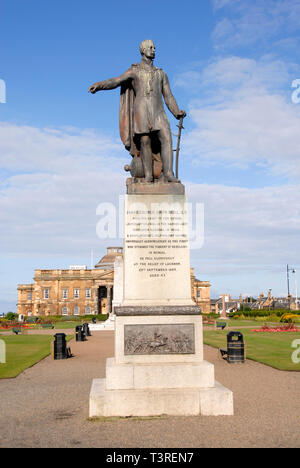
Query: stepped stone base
<point x="158" y="375"/>
<point x="172" y="381"/>
<point x="214" y="401"/>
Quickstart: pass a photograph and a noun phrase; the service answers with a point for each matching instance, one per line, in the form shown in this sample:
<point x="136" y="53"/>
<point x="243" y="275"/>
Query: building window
<point x="87" y="310"/>
<point x="65" y="294"/>
<point x="46" y="293"/>
<point x="76" y="310"/>
<point x="65" y="310"/>
<point x="76" y="293"/>
<point x="29" y="296"/>
<point x="88" y="293"/>
<point x="198" y="293"/>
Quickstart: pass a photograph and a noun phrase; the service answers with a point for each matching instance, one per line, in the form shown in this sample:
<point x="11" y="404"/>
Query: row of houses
<point x="226" y="305"/>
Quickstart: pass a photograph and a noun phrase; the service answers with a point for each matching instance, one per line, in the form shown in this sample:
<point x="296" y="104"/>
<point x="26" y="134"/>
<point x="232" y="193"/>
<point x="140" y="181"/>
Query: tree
<point x="11" y="316"/>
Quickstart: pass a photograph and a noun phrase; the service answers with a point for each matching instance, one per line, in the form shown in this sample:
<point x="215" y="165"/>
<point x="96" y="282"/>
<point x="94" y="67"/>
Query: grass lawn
<point x="65" y="325"/>
<point x="24" y="351"/>
<point x="244" y="323"/>
<point x="235" y="323"/>
<point x="273" y="349"/>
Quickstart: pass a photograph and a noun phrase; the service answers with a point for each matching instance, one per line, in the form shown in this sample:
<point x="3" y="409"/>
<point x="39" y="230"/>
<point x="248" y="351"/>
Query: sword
<point x="180" y="126"/>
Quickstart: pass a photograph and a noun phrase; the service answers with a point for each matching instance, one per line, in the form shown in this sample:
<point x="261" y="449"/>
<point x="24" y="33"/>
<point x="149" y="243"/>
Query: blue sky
<point x="231" y="64"/>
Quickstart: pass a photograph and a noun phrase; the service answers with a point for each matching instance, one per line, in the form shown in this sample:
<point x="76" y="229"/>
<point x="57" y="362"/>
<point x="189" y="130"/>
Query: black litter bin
<point x="235" y="348"/>
<point x="60" y="346"/>
<point x="80" y="335"/>
<point x="86" y="329"/>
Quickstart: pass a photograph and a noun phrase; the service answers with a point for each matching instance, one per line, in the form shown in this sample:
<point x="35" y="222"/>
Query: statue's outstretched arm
<point x="170" y="100"/>
<point x="112" y="83"/>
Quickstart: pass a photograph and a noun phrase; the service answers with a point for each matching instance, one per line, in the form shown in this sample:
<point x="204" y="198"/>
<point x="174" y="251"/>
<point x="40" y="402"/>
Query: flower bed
<point x="5" y="326"/>
<point x="285" y="328"/>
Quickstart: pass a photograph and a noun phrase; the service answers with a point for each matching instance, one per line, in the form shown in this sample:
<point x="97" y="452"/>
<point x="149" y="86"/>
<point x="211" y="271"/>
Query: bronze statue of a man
<point x="144" y="126"/>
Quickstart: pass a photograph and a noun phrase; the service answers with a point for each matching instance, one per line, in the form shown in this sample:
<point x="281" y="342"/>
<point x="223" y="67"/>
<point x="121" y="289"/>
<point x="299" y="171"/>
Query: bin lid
<point x="234" y="333"/>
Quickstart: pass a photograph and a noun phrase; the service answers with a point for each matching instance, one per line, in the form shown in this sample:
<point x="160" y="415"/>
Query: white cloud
<point x="25" y="148"/>
<point x="52" y="182"/>
<point x="244" y="116"/>
<point x="235" y="76"/>
<point x="219" y="4"/>
<point x="242" y="73"/>
<point x="252" y="22"/>
<point x="261" y="129"/>
<point x="250" y="236"/>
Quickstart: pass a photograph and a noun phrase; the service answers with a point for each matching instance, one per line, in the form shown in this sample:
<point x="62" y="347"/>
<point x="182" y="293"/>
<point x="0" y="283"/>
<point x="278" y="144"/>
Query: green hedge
<point x="212" y="316"/>
<point x="262" y="313"/>
<point x="72" y="318"/>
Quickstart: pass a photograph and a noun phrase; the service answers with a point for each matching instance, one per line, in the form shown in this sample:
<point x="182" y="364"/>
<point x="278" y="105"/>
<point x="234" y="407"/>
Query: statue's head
<point x="147" y="48"/>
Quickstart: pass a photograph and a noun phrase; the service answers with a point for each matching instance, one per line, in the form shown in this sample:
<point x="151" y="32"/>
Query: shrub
<point x="212" y="315"/>
<point x="274" y="318"/>
<point x="244" y="308"/>
<point x="11" y="316"/>
<point x="101" y="317"/>
<point x="49" y="318"/>
<point x="71" y="318"/>
<point x="263" y="313"/>
<point x="289" y="318"/>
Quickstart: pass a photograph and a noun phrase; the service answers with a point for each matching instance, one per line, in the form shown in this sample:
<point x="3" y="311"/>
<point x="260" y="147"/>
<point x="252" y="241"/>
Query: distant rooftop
<point x="107" y="262"/>
<point x="78" y="267"/>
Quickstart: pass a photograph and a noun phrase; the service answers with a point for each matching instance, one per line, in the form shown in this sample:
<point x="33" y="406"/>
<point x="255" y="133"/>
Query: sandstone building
<point x="82" y="291"/>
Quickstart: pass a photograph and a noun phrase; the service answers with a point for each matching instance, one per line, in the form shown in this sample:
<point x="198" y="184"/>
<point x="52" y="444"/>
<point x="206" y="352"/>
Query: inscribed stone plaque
<point x="159" y="339"/>
<point x="156" y="250"/>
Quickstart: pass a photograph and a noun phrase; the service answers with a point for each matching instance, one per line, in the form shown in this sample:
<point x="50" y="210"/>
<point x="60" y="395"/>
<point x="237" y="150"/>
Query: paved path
<point x="47" y="406"/>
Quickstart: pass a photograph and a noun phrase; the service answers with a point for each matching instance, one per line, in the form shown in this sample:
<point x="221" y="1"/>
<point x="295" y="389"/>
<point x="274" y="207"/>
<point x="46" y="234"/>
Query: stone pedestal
<point x="156" y="251"/>
<point x="158" y="367"/>
<point x="118" y="283"/>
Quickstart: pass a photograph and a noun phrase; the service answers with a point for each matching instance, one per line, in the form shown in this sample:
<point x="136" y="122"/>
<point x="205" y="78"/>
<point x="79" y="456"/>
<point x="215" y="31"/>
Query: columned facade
<point x="82" y="291"/>
<point x="67" y="292"/>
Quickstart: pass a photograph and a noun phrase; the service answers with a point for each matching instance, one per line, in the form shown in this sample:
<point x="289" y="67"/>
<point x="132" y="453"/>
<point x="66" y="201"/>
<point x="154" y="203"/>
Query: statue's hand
<point x="180" y="114"/>
<point x="93" y="89"/>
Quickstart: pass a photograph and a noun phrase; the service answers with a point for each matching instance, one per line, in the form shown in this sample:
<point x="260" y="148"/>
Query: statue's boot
<point x="170" y="177"/>
<point x="167" y="160"/>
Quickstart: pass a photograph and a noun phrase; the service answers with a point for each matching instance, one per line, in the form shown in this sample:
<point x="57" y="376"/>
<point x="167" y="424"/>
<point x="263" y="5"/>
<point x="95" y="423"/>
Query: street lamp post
<point x="288" y="269"/>
<point x="296" y="289"/>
